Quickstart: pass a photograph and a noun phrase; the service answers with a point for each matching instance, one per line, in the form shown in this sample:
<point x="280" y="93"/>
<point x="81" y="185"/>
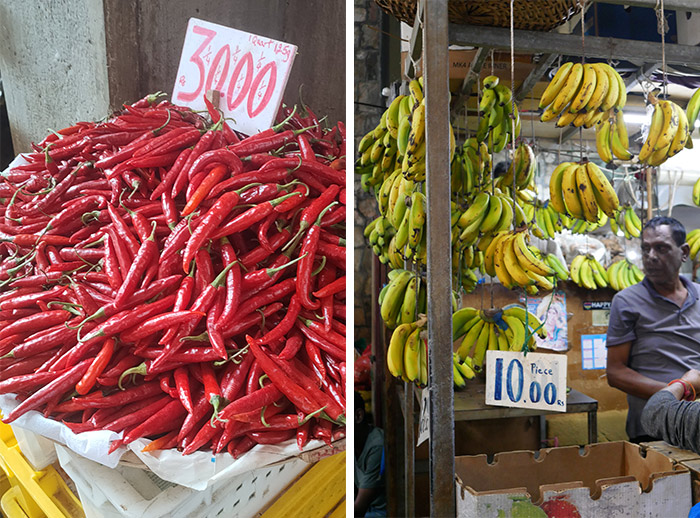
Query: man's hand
<point x="693" y="377"/>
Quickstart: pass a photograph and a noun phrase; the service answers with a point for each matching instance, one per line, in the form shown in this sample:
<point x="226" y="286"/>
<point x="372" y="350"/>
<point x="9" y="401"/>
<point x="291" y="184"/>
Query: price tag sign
<point x="424" y="420"/>
<point x="249" y="71"/>
<point x="535" y="380"/>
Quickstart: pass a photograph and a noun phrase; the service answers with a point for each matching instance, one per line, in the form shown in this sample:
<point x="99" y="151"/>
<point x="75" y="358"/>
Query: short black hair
<point x="677" y="228"/>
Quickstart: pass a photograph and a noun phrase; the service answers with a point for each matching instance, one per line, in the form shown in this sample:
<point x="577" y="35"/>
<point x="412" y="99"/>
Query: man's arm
<point x="621" y="377"/>
<point x="365" y="496"/>
<point x="676" y="422"/>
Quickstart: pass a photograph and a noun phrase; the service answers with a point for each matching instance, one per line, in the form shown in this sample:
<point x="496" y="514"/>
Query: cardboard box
<point x="606" y="479"/>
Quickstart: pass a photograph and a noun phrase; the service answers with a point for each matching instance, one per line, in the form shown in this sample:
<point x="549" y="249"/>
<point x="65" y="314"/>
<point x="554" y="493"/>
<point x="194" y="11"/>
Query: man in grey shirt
<point x="654" y="330"/>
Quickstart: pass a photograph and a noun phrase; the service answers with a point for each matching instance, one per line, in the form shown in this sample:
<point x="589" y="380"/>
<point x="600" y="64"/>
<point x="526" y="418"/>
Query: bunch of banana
<point x="465" y="262"/>
<point x="587" y="272"/>
<point x="581" y="94"/>
<point x="627" y="222"/>
<point x="612" y="139"/>
<point x="508" y="329"/>
<point x="581" y="226"/>
<point x="560" y="269"/>
<point x="693" y="240"/>
<point x="669" y="132"/>
<point x="582" y="191"/>
<point x="500" y="119"/>
<point x="402" y="298"/>
<point x="407" y="354"/>
<point x="487" y="214"/>
<point x="547" y="220"/>
<point x="696" y="192"/>
<point x="462" y="370"/>
<point x="522" y="168"/>
<point x="692" y="111"/>
<point x="517" y="264"/>
<point x="623" y="274"/>
<point x="470" y="169"/>
<point x="379" y="234"/>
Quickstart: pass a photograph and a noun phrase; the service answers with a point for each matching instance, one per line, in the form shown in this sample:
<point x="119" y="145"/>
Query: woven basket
<point x="535" y="15"/>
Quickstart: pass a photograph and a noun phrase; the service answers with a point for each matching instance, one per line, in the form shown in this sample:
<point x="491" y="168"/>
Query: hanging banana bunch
<point x="692" y="111"/>
<point x="487" y="215"/>
<point x="500" y="119"/>
<point x="582" y="191"/>
<point x="470" y="169"/>
<point x="693" y="240"/>
<point x="511" y="328"/>
<point x="547" y="221"/>
<point x="407" y="354"/>
<point x="587" y="272"/>
<point x="582" y="95"/>
<point x="626" y="221"/>
<point x="465" y="263"/>
<point x="611" y="138"/>
<point x="623" y="274"/>
<point x="517" y="264"/>
<point x="523" y="168"/>
<point x="669" y="132"/>
<point x="402" y="298"/>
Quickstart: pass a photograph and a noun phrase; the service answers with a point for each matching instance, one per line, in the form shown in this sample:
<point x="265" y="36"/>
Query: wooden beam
<point x="534" y="76"/>
<point x="442" y="440"/>
<point x="570" y="44"/>
<point x="669" y="5"/>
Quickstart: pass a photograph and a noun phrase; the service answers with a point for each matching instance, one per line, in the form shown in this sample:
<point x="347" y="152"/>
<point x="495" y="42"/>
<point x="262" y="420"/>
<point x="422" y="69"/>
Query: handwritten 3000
<point x="248" y="81"/>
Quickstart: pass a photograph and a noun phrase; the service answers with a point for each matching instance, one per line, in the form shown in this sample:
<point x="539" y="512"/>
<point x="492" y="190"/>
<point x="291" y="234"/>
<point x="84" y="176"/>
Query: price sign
<point x="249" y="71"/>
<point x="535" y="380"/>
<point x="424" y="420"/>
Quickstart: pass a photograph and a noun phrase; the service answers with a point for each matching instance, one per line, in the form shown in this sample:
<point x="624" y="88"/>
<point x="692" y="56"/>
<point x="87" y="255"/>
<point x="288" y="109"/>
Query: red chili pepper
<point x="233" y="284"/>
<point x="214" y="156"/>
<point x="87" y="382"/>
<point x="212" y="390"/>
<point x="251" y="402"/>
<point x="182" y="382"/>
<point x="251" y="216"/>
<point x="214" y="216"/>
<point x="337" y="286"/>
<point x="307" y="254"/>
<point x="146" y="254"/>
<point x="60" y="385"/>
<point x="159" y="322"/>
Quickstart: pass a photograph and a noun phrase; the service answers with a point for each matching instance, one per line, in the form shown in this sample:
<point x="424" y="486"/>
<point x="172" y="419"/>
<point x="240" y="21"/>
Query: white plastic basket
<point x="132" y="492"/>
<point x="39" y="451"/>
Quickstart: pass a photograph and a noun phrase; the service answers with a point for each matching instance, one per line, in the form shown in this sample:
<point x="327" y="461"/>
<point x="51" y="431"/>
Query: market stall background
<point x="380" y="41"/>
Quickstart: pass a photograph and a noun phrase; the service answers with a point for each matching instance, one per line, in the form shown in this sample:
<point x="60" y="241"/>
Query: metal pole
<point x="442" y="447"/>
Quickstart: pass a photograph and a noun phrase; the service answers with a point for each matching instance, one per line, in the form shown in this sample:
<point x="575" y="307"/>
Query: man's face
<point x="661" y="256"/>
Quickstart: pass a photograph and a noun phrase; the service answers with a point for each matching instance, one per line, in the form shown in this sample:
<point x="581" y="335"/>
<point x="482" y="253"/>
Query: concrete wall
<point x="63" y="61"/>
<point x="53" y="66"/>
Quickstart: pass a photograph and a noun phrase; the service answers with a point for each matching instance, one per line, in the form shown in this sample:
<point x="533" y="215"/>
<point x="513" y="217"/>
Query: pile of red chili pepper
<point x="166" y="277"/>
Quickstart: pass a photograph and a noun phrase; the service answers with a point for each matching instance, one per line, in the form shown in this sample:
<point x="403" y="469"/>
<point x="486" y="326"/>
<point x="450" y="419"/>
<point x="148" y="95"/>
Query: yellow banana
<point x="655" y="129"/>
<point x="588" y="84"/>
<point x="411" y="355"/>
<point x="586" y="194"/>
<point x="555" y="85"/>
<point x="682" y="133"/>
<point x="392" y="117"/>
<point x="555" y="190"/>
<point x="601" y="89"/>
<point x="669" y="126"/>
<point x="575" y="268"/>
<point x="527" y="259"/>
<point x="602" y="141"/>
<point x="613" y="95"/>
<point x="570" y="192"/>
<point x="606" y="196"/>
<point x="528" y="318"/>
<point x="469" y="340"/>
<point x="568" y="91"/>
<point x="395" y="351"/>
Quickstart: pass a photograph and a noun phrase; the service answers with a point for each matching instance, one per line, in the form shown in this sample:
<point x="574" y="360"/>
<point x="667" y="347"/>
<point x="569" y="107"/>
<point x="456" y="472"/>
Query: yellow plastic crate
<point x="319" y="492"/>
<point x="29" y="493"/>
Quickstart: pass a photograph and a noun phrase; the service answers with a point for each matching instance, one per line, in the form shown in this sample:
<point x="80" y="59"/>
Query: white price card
<point x="424" y="420"/>
<point x="532" y="380"/>
<point x="249" y="71"/>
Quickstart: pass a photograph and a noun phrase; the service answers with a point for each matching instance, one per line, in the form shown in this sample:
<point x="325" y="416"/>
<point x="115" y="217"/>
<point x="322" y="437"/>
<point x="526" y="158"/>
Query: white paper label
<point x="535" y="380"/>
<point x="424" y="421"/>
<point x="249" y="71"/>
